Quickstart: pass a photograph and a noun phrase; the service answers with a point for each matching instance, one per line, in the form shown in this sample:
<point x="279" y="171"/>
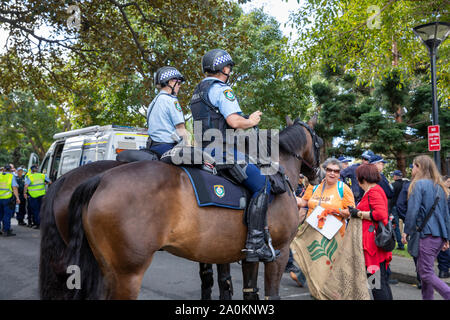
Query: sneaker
<point x="21" y="223"/>
<point x="443" y="274"/>
<point x="36" y="226"/>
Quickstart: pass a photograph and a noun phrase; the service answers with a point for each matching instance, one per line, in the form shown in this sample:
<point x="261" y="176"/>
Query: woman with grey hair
<point x="331" y="194"/>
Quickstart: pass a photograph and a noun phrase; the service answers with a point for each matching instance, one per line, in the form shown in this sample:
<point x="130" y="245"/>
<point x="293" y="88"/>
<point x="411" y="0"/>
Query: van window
<point x="70" y="160"/>
<point x="93" y="154"/>
<point x="44" y="167"/>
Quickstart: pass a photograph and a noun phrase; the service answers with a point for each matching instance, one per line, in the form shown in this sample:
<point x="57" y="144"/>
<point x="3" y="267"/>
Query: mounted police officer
<point x="35" y="185"/>
<point x="164" y="114"/>
<point x="214" y="106"/>
<point x="8" y="187"/>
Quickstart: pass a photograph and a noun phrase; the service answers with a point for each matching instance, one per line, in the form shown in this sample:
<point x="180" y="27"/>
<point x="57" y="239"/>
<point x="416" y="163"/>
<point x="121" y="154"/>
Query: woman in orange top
<point x="333" y="195"/>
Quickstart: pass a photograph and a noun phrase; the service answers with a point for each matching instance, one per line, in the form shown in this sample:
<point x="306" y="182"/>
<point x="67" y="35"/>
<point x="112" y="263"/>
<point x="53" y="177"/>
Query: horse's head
<point x="307" y="149"/>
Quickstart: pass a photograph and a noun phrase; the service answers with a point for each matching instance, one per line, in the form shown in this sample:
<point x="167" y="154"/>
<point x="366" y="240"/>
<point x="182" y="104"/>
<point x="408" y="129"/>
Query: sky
<point x="279" y="9"/>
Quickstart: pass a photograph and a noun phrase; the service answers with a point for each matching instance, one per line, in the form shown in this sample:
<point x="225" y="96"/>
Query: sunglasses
<point x="336" y="171"/>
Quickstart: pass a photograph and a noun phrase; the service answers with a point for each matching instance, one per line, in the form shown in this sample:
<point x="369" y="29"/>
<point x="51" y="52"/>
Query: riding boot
<point x="256" y="247"/>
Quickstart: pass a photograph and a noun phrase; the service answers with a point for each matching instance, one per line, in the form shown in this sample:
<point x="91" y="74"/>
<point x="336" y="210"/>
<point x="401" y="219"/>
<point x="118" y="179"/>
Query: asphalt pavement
<point x="168" y="278"/>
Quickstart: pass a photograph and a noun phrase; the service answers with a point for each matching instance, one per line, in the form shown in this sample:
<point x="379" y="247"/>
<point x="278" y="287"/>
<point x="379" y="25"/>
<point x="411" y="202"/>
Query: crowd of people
<point x="21" y="194"/>
<point x="367" y="194"/>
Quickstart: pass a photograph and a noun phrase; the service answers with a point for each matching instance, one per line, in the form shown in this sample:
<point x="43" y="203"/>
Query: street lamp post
<point x="432" y="35"/>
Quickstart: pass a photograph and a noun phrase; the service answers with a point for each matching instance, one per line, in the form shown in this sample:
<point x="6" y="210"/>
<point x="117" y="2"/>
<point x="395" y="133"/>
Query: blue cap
<point x="397" y="173"/>
<point x="344" y="159"/>
<point x="367" y="155"/>
<point x="377" y="158"/>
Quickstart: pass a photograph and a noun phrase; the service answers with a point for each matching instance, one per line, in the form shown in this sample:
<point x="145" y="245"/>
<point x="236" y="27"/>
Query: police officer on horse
<point x="164" y="115"/>
<point x="214" y="106"/>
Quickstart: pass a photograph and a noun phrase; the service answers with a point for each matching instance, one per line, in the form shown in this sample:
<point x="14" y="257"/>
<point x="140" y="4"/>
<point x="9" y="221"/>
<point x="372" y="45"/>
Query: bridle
<point x="316" y="142"/>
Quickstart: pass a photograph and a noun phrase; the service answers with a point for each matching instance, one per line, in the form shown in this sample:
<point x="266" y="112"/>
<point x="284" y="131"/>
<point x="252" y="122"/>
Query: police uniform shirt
<point x="164" y="116"/>
<point x="28" y="181"/>
<point x="222" y="96"/>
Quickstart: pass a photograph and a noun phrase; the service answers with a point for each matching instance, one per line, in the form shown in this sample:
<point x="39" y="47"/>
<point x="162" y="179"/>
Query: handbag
<point x="385" y="237"/>
<point x="413" y="241"/>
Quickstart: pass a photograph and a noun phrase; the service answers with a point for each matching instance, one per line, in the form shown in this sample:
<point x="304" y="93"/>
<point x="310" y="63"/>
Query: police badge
<point x="229" y="95"/>
<point x="219" y="190"/>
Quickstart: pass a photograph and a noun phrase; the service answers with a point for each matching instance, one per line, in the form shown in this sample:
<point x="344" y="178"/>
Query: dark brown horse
<point x="115" y="229"/>
<point x="55" y="236"/>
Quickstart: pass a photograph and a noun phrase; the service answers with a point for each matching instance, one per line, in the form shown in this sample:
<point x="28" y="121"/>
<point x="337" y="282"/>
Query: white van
<point x="78" y="147"/>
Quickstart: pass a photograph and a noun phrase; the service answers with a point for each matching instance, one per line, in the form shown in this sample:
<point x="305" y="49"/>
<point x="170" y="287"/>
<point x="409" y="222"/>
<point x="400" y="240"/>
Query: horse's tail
<point x="79" y="256"/>
<point x="51" y="265"/>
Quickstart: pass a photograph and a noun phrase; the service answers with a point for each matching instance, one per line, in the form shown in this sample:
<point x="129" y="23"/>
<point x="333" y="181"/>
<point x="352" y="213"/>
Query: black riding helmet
<point x="163" y="75"/>
<point x="214" y="60"/>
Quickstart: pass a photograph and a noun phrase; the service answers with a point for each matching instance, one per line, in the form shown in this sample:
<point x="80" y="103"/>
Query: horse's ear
<point x="289" y="121"/>
<point x="312" y="122"/>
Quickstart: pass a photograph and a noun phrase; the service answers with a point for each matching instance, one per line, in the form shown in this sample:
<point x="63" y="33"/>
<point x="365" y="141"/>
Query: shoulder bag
<point x="413" y="241"/>
<point x="385" y="237"/>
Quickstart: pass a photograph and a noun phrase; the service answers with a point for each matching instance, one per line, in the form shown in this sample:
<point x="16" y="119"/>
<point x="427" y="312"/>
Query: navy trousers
<point x="6" y="213"/>
<point x="35" y="206"/>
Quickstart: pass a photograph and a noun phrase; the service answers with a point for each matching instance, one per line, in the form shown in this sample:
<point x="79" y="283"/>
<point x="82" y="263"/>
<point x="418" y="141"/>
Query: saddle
<point x="214" y="184"/>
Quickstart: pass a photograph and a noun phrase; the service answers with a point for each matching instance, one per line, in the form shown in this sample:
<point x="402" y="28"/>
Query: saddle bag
<point x="278" y="182"/>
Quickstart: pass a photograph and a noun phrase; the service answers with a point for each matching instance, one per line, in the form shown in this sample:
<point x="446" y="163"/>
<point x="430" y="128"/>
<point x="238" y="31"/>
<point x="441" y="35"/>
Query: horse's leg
<point x="273" y="271"/>
<point x="224" y="280"/>
<point x="206" y="276"/>
<point x="250" y="280"/>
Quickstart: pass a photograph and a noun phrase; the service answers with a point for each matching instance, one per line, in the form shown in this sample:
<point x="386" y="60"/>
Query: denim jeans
<point x="396" y="220"/>
<point x="444" y="260"/>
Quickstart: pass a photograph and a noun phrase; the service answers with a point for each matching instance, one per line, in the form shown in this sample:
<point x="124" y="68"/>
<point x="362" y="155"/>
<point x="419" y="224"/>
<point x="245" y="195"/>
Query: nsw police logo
<point x="177" y="105"/>
<point x="229" y="94"/>
<point x="219" y="190"/>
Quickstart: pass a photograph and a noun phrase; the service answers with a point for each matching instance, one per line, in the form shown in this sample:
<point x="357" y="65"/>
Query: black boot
<point x="256" y="247"/>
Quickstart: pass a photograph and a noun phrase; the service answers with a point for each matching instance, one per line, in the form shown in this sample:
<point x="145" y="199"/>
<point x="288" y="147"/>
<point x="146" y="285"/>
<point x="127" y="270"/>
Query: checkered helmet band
<point x="169" y="74"/>
<point x="222" y="59"/>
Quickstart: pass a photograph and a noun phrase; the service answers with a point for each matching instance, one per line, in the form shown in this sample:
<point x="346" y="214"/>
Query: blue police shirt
<point x="222" y="96"/>
<point x="163" y="114"/>
<point x="28" y="181"/>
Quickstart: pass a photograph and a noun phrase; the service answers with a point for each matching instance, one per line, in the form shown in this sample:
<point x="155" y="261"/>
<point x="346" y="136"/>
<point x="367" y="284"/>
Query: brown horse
<point x="55" y="236"/>
<point x="115" y="229"/>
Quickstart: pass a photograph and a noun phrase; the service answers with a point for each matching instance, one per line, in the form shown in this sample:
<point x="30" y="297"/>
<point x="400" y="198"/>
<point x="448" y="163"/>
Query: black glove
<point x="353" y="212"/>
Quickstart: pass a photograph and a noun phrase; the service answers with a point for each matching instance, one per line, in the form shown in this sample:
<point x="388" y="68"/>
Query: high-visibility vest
<point x="37" y="186"/>
<point x="6" y="186"/>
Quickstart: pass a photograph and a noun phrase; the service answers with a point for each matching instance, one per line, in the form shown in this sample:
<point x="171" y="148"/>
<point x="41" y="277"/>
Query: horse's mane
<point x="292" y="138"/>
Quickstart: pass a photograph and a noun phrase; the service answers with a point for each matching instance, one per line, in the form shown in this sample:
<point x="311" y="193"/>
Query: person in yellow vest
<point x="8" y="188"/>
<point x="35" y="185"/>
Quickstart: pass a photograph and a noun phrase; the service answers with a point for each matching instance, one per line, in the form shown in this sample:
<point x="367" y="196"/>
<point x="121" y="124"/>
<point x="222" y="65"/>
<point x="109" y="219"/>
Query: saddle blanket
<point x="213" y="190"/>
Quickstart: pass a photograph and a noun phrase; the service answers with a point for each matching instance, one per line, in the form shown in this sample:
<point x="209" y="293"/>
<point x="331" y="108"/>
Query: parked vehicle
<point x="75" y="148"/>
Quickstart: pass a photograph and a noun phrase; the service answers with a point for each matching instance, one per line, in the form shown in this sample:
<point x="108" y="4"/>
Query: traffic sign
<point x="434" y="141"/>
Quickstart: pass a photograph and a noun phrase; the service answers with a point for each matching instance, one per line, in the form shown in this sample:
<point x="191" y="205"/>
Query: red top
<point x="379" y="204"/>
